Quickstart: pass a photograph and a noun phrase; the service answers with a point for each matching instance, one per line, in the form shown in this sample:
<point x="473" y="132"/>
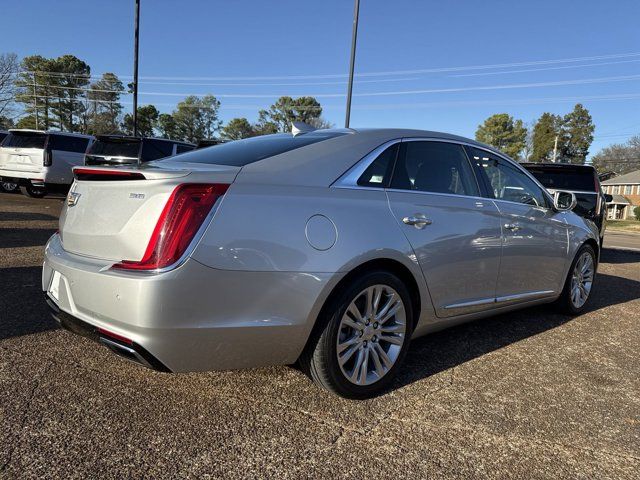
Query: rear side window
<point x="378" y="173"/>
<point x="183" y="148"/>
<point x="25" y="140"/>
<point x="437" y="167"/>
<point x="68" y="144"/>
<point x="243" y="152"/>
<point x="155" y="149"/>
<point x="565" y="178"/>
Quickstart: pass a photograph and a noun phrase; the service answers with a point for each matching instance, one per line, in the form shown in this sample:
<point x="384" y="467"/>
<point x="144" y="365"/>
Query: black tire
<point x="320" y="358"/>
<point x="8" y="187"/>
<point x="564" y="303"/>
<point x="33" y="192"/>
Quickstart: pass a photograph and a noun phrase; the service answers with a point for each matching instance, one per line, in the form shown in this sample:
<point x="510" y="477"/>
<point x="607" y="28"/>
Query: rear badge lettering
<point x="139" y="196"/>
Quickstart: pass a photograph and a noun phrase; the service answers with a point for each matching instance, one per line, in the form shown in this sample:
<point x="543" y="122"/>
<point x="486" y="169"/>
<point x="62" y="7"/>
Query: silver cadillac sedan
<point x="331" y="249"/>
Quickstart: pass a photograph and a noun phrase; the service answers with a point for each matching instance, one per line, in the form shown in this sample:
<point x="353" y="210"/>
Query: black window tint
<point x="25" y="140"/>
<point x="67" y="143"/>
<point x="377" y="174"/>
<point x="248" y="150"/>
<point x="506" y="181"/>
<point x="155" y="149"/>
<point x="3" y="135"/>
<point x="115" y="147"/>
<point x="437" y="167"/>
<point x="565" y="178"/>
<point x="184" y="148"/>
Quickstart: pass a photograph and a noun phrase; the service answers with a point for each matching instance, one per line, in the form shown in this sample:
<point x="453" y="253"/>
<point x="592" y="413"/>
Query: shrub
<point x="636" y="212"/>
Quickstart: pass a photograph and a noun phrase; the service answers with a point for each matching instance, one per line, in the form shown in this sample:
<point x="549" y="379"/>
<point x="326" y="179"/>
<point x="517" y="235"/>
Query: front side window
<point x="506" y="182"/>
<point x="437" y="167"/>
<point x="378" y="173"/>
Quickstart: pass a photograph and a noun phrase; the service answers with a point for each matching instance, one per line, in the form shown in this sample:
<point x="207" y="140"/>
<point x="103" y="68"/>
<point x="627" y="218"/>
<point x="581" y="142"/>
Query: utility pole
<point x="35" y="99"/>
<point x="555" y="149"/>
<point x="354" y="37"/>
<point x="136" y="36"/>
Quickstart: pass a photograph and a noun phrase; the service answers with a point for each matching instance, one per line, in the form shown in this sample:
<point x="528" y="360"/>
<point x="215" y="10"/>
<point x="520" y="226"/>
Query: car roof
<point x="322" y="163"/>
<point x="49" y="132"/>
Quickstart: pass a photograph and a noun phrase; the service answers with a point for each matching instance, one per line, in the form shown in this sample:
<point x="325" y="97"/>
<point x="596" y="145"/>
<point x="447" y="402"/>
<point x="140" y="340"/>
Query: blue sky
<point x="249" y="52"/>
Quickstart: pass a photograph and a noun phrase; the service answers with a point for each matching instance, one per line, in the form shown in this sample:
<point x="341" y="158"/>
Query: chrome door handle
<point x="418" y="221"/>
<point x="512" y="226"/>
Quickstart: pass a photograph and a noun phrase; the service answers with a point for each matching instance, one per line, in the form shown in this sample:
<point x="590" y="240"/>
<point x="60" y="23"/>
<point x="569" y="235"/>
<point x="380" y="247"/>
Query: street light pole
<point x="354" y="37"/>
<point x="135" y="68"/>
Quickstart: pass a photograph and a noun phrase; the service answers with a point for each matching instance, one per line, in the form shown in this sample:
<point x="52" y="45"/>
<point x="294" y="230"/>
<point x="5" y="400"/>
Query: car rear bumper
<point x="35" y="177"/>
<point x="193" y="318"/>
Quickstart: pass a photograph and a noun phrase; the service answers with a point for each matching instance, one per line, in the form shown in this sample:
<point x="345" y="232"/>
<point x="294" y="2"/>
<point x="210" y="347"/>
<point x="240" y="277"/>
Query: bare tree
<point x="8" y="69"/>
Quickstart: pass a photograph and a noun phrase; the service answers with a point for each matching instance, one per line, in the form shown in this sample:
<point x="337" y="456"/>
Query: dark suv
<point x="121" y="149"/>
<point x="582" y="180"/>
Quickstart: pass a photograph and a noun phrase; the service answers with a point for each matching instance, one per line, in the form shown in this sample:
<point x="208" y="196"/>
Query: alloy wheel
<point x="371" y="335"/>
<point x="582" y="279"/>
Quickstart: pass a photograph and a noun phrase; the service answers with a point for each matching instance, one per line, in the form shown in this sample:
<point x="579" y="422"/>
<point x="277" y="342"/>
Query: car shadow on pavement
<point x="616" y="256"/>
<point x="24" y="237"/>
<point x="23" y="308"/>
<point x="26" y="217"/>
<point x="449" y="348"/>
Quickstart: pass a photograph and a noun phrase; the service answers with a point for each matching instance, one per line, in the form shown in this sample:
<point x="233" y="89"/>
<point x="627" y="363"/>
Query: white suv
<point x="41" y="161"/>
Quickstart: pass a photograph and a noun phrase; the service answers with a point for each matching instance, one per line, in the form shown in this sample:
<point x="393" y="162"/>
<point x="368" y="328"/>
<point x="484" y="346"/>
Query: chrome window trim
<point x="350" y="178"/>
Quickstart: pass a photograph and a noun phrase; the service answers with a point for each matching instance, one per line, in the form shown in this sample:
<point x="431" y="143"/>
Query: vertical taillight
<point x="180" y="220"/>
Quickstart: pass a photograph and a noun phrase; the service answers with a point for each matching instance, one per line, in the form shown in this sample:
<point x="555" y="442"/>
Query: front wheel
<point x="366" y="334"/>
<point x="579" y="282"/>
<point x="33" y="192"/>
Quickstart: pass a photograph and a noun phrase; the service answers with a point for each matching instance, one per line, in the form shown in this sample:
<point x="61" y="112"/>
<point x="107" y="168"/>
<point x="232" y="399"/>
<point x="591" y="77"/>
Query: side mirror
<point x="608" y="198"/>
<point x="564" y="201"/>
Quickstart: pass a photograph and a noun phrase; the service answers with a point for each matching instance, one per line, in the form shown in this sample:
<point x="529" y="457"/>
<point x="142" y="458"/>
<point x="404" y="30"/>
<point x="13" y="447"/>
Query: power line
<point x="366" y="74"/>
<point x="544" y="69"/>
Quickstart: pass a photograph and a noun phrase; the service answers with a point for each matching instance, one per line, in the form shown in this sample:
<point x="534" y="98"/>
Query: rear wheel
<point x="33" y="192"/>
<point x="366" y="334"/>
<point x="8" y="186"/>
<point x="579" y="282"/>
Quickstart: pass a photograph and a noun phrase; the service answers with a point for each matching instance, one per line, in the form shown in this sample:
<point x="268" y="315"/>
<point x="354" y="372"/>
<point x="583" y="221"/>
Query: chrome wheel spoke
<point x="371" y="334"/>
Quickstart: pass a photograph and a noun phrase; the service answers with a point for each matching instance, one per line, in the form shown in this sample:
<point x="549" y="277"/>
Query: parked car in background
<point x="6" y="186"/>
<point x="124" y="150"/>
<point x="330" y="248"/>
<point x="41" y="161"/>
<point x="583" y="181"/>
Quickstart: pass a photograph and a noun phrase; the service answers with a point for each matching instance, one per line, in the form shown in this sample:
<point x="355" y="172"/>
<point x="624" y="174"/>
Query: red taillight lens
<point x="182" y="217"/>
<point x="97" y="174"/>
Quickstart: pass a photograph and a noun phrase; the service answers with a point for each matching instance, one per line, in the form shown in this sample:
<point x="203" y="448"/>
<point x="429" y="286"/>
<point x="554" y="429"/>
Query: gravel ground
<point x="531" y="394"/>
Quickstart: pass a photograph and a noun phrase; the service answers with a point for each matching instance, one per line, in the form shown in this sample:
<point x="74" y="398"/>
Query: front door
<point x="534" y="235"/>
<point x="454" y="232"/>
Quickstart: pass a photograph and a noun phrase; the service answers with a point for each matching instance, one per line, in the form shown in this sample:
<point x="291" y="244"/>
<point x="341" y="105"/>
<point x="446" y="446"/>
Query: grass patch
<point x="625" y="225"/>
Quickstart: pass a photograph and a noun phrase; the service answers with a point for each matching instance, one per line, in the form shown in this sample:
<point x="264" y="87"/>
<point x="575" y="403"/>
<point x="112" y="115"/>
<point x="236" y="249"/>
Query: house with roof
<point x="625" y="190"/>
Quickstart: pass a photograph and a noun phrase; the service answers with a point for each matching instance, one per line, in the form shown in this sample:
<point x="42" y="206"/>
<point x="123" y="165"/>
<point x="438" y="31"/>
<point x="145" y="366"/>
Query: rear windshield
<point x="243" y="152"/>
<point x="25" y="140"/>
<point x="115" y="148"/>
<point x="565" y="178"/>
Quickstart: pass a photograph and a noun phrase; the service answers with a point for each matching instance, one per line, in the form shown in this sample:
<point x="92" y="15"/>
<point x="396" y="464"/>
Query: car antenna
<point x="298" y="128"/>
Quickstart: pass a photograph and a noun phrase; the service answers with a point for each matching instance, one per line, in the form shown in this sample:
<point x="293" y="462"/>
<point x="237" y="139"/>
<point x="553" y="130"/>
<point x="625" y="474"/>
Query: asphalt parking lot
<point x="532" y="394"/>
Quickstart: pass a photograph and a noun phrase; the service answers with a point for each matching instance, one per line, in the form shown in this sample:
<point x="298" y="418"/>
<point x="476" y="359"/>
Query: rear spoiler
<point x="102" y="174"/>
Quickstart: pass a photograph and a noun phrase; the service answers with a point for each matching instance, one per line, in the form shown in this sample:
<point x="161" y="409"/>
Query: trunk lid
<point x="114" y="219"/>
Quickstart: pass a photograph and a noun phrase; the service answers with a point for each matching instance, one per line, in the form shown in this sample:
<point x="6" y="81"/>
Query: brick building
<point x="625" y="190"/>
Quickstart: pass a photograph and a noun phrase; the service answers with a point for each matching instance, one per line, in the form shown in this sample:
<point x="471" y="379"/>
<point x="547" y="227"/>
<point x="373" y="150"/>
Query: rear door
<point x="535" y="239"/>
<point x="455" y="233"/>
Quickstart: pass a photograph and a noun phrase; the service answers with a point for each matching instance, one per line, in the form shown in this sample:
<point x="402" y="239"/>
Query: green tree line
<point x="57" y="93"/>
<point x="569" y="136"/>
